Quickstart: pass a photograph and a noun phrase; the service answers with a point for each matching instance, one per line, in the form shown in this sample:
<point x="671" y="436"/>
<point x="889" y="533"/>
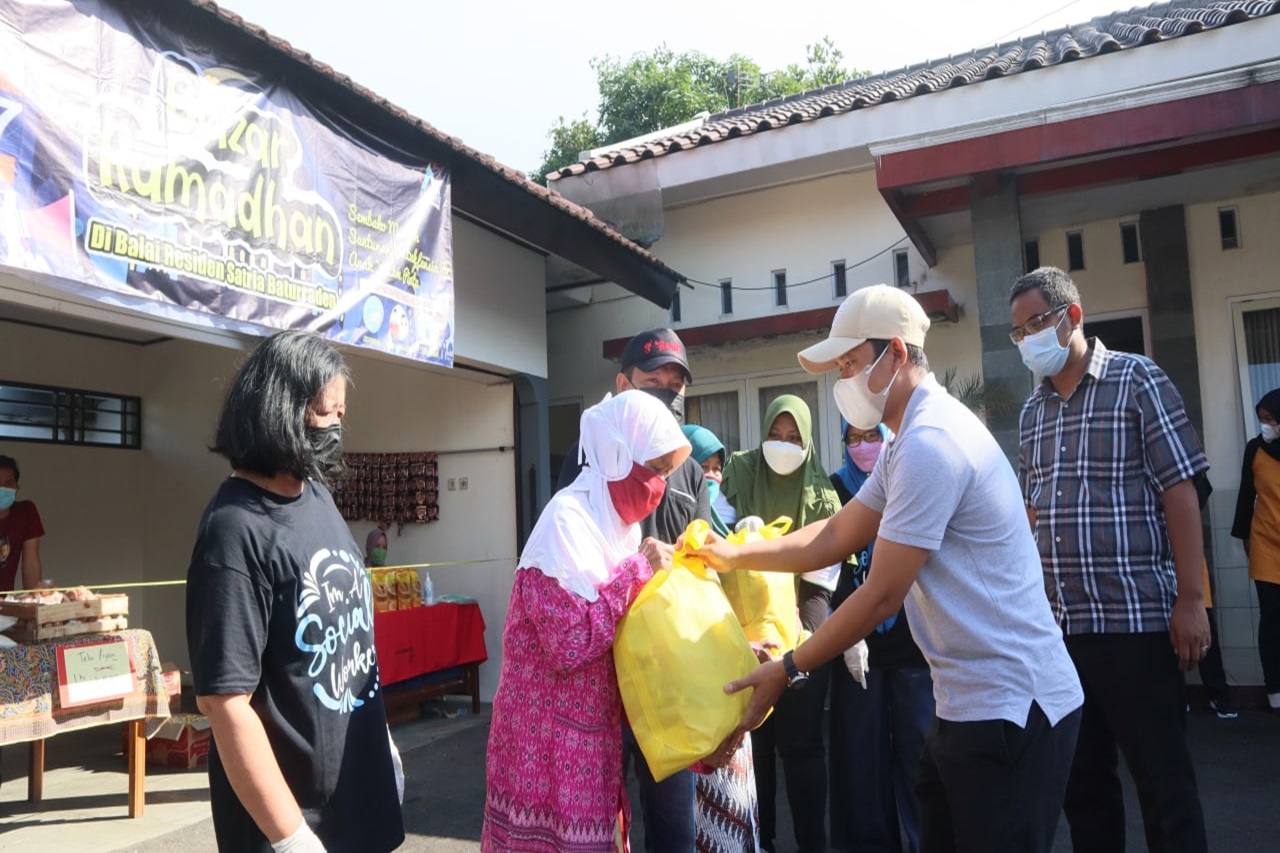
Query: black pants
<point x="795" y="731"/>
<point x="1135" y="705"/>
<point x="1212" y="674"/>
<point x="992" y="786"/>
<point x="1269" y="633"/>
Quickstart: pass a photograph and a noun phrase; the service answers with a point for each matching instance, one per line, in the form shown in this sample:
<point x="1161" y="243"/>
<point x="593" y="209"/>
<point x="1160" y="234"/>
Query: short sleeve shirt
<point x="20" y="527"/>
<point x="1093" y="468"/>
<point x="280" y="608"/>
<point x="977" y="609"/>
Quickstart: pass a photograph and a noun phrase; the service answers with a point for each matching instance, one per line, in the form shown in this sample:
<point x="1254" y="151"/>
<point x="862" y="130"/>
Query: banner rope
<point x="182" y="581"/>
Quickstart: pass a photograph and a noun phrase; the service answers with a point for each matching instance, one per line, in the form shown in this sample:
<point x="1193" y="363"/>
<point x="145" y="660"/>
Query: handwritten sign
<point x="95" y="672"/>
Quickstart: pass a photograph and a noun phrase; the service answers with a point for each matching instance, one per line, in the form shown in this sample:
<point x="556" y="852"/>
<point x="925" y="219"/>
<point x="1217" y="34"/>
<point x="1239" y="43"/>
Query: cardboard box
<point x="172" y="685"/>
<point x="183" y="742"/>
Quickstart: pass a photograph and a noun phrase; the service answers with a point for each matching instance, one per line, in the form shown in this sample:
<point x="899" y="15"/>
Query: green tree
<point x="662" y="88"/>
<point x="568" y="140"/>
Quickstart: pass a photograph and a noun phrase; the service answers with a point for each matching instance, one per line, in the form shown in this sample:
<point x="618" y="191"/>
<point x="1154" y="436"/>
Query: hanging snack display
<point x="400" y="488"/>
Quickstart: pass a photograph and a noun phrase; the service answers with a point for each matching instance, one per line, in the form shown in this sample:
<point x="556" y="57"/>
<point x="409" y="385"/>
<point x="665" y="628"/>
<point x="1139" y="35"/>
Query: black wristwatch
<point x="796" y="680"/>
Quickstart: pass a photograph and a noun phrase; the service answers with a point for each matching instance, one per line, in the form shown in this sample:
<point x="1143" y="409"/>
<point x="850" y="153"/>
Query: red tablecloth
<point x="427" y="639"/>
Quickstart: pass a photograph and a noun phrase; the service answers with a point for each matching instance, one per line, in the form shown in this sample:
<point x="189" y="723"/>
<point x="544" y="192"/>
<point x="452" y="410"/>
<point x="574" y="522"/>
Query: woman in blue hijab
<point x="711" y="455"/>
<point x="881" y="700"/>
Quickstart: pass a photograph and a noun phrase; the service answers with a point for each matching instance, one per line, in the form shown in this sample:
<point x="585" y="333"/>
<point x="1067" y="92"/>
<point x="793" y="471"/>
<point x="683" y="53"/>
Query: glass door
<point x="1257" y="327"/>
<point x="762" y="391"/>
<point x="718" y="407"/>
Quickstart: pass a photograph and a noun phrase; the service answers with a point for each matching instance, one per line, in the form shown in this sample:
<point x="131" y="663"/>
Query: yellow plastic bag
<point x="765" y="602"/>
<point x="676" y="648"/>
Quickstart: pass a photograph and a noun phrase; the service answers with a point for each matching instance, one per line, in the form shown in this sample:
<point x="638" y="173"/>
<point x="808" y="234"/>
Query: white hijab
<point x="580" y="538"/>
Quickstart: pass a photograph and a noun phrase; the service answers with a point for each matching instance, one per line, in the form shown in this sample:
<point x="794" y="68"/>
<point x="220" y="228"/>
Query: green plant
<point x="984" y="399"/>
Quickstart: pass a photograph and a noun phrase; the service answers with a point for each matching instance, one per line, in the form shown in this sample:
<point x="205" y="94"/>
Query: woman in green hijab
<point x="784" y="476"/>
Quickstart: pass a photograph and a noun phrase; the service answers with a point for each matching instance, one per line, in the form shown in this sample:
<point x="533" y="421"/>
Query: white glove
<point x="856" y="658"/>
<point x="303" y="840"/>
<point x="398" y="765"/>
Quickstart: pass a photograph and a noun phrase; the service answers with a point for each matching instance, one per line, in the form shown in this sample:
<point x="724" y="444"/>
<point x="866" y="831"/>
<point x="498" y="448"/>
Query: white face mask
<point x="783" y="456"/>
<point x="1042" y="353"/>
<point x="855" y="400"/>
<point x="1270" y="432"/>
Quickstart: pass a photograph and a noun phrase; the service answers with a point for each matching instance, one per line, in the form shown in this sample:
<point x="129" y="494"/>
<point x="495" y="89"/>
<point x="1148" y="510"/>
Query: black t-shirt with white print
<point x="279" y="607"/>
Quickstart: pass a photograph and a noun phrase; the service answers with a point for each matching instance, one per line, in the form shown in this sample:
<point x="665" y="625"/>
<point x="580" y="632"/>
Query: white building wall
<point x="123" y="516"/>
<point x="1107" y="284"/>
<point x="499" y="301"/>
<point x="1219" y="279"/>
<point x="115" y="516"/>
<point x="802" y="228"/>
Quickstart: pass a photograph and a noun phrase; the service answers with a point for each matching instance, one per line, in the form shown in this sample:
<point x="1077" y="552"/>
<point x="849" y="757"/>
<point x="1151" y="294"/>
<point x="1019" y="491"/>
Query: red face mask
<point x="638" y="494"/>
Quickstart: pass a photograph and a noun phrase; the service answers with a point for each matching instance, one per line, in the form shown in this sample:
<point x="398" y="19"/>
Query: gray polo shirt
<point x="978" y="609"/>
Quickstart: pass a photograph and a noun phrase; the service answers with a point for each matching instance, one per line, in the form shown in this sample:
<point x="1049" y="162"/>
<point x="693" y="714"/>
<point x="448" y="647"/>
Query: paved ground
<point x="1238" y="763"/>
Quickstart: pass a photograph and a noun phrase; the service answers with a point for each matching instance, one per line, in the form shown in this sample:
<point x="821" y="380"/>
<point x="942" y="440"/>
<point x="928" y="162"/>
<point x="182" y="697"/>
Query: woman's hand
<point x="657" y="553"/>
<point x="715" y="553"/>
<point x="724" y="752"/>
<point x="765" y="650"/>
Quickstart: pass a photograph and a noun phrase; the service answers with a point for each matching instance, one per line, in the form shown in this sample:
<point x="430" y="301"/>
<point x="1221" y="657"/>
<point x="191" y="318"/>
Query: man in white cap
<point x="945" y="511"/>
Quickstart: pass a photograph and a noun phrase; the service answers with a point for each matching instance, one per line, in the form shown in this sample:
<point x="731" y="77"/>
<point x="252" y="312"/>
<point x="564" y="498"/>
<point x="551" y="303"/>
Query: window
<point x="1228" y="228"/>
<point x="718" y="413"/>
<point x="1257" y="327"/>
<point x="675" y="305"/>
<point x="839" y="281"/>
<point x="1030" y="255"/>
<point x="69" y="416"/>
<point x="726" y="296"/>
<point x="1130" y="246"/>
<point x="780" y="287"/>
<point x="901" y="270"/>
<point x="562" y="433"/>
<point x="1075" y="251"/>
<point x="1123" y="334"/>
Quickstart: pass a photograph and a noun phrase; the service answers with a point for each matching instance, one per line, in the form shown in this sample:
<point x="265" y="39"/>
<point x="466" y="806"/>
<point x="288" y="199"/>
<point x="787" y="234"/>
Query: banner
<point x="157" y="170"/>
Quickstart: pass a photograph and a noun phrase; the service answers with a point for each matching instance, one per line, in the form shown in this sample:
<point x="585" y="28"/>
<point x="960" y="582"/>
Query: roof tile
<point x="1118" y="31"/>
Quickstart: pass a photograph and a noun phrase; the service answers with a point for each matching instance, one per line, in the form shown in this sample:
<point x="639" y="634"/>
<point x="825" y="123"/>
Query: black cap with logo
<point x="654" y="348"/>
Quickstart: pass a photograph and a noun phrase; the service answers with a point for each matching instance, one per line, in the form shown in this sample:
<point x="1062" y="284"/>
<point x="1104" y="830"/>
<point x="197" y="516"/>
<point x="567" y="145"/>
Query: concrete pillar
<point x="533" y="455"/>
<point x="997" y="254"/>
<point x="1173" y="328"/>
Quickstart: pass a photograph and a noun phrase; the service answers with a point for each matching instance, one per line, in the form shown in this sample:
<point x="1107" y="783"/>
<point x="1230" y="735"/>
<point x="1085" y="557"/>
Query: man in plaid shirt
<point x="1106" y="460"/>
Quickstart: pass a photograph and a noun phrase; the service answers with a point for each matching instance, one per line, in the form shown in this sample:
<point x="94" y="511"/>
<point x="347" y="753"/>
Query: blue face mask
<point x="7" y="497"/>
<point x="1042" y="353"/>
<point x="713" y="490"/>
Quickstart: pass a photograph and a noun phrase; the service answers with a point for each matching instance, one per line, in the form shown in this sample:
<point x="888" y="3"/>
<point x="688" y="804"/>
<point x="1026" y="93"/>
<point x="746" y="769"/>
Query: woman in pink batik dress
<point x="554" y="761"/>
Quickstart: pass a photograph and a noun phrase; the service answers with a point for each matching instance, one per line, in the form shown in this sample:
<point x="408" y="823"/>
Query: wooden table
<point x="31" y="711"/>
<point x="430" y="651"/>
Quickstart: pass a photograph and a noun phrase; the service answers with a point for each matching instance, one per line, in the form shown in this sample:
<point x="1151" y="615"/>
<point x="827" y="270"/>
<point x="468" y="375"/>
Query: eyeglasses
<point x="854" y="441"/>
<point x="1038" y="323"/>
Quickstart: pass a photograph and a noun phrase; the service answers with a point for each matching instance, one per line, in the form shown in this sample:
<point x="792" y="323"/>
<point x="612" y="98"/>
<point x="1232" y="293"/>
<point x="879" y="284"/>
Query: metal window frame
<point x="68" y="417"/>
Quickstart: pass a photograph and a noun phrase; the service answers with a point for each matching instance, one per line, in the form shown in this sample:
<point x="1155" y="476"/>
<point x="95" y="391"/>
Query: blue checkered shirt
<point x="1093" y="467"/>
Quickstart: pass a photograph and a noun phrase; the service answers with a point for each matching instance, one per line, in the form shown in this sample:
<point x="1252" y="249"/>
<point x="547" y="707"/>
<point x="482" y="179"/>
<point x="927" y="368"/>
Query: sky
<point x="497" y="74"/>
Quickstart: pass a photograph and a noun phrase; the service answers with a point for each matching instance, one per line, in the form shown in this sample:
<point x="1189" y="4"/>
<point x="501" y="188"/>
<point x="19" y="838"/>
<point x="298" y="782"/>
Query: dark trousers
<point x="877" y="737"/>
<point x="1212" y="674"/>
<point x="1269" y="633"/>
<point x="1135" y="705"/>
<point x="794" y="730"/>
<point x="667" y="806"/>
<point x="992" y="786"/>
